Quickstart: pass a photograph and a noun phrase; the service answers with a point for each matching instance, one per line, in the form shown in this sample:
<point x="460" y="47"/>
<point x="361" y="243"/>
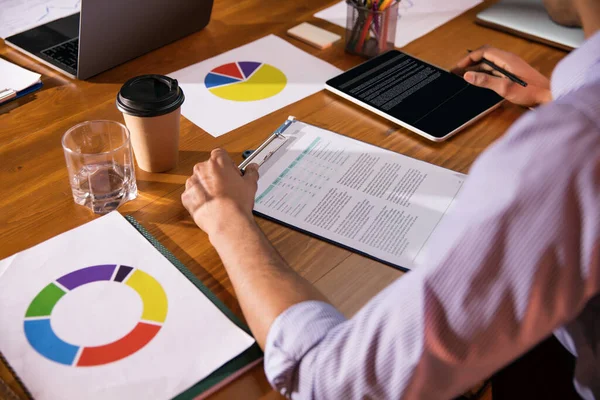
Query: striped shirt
<point x="516" y="260"/>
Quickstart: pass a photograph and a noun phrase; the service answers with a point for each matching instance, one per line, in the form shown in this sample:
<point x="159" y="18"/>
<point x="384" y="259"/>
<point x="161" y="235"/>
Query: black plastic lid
<point x="150" y="96"/>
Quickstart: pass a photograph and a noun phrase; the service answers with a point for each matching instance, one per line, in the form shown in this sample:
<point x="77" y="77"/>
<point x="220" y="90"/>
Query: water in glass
<point x="103" y="187"/>
<point x="100" y="165"/>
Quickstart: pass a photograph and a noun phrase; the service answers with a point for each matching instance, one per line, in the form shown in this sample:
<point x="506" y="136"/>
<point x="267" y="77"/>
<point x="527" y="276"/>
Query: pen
<point x="504" y="72"/>
<point x="7" y="94"/>
<point x="278" y="132"/>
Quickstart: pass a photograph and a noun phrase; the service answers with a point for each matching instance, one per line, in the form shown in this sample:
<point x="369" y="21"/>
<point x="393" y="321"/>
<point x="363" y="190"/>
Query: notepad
<point x="16" y="81"/>
<point x="313" y="35"/>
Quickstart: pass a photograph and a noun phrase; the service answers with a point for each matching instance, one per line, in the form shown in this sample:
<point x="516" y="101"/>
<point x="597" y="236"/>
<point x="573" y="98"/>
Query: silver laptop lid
<point x="114" y="31"/>
<point x="528" y="18"/>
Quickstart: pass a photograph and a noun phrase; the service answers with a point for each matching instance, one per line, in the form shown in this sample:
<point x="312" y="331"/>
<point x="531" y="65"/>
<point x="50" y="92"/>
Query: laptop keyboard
<point x="64" y="53"/>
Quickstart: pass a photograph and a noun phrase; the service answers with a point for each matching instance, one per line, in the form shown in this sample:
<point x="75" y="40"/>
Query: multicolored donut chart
<point x="44" y="340"/>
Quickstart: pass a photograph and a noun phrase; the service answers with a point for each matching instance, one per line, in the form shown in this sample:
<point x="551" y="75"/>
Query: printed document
<point x="365" y="198"/>
<point x="242" y="85"/>
<point x="20" y="15"/>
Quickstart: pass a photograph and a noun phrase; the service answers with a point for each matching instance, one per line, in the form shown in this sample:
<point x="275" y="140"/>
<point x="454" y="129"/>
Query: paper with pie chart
<point x="83" y="316"/>
<point x="244" y="84"/>
<point x="41" y="336"/>
<point x="245" y="81"/>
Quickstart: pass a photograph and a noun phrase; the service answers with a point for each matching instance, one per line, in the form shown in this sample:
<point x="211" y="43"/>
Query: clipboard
<point x="276" y="141"/>
<point x="262" y="154"/>
<point x="269" y="146"/>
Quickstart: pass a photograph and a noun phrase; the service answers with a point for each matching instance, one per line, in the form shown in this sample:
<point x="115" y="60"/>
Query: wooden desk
<point x="36" y="202"/>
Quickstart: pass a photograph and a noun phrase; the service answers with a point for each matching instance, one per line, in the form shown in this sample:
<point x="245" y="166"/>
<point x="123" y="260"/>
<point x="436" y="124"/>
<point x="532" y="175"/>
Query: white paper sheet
<point x="367" y="198"/>
<point x="304" y="75"/>
<point x="415" y="17"/>
<point x="15" y="77"/>
<point x="19" y="15"/>
<point x="194" y="339"/>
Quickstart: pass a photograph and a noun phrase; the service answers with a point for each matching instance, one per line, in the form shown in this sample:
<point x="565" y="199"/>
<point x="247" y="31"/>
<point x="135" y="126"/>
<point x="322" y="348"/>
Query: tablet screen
<point x="421" y="95"/>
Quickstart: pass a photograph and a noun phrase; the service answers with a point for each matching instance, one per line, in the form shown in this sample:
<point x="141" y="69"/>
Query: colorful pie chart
<point x="44" y="340"/>
<point x="245" y="81"/>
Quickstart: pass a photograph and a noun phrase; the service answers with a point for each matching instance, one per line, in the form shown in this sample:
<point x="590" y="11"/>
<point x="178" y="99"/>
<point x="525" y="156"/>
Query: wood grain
<point x="36" y="202"/>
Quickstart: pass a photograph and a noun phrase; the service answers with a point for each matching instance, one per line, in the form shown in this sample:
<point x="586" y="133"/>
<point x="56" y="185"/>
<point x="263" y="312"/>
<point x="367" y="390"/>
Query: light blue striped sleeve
<point x="515" y="260"/>
<point x="293" y="334"/>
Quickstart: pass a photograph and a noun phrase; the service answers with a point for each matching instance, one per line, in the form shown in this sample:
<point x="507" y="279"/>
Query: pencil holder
<point x="371" y="26"/>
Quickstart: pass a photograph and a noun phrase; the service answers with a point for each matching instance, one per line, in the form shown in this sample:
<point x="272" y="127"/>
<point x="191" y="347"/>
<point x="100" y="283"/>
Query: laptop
<point x="529" y="19"/>
<point x="106" y="33"/>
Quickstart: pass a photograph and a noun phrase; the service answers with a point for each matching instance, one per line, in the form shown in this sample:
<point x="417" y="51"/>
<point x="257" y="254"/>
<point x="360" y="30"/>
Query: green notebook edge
<point x="252" y="354"/>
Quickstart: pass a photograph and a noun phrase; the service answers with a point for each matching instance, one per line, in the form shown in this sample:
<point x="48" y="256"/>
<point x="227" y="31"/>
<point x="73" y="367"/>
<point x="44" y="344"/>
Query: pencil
<point x="365" y="32"/>
<point x="504" y="72"/>
<point x="384" y="4"/>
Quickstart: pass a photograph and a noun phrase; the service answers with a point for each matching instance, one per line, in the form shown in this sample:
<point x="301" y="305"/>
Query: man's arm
<point x="220" y="200"/>
<point x="264" y="284"/>
<point x="517" y="259"/>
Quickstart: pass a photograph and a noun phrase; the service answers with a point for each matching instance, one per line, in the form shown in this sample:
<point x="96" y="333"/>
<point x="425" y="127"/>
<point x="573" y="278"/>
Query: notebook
<point x="16" y="81"/>
<point x="529" y="19"/>
<point x="162" y="356"/>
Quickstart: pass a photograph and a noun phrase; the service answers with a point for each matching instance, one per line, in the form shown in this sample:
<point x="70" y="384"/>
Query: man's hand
<point x="475" y="72"/>
<point x="217" y="192"/>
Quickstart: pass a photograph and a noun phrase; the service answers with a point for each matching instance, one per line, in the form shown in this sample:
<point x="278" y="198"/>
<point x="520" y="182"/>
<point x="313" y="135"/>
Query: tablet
<point x="419" y="96"/>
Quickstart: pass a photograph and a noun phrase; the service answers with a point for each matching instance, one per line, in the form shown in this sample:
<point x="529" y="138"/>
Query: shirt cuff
<point x="293" y="334"/>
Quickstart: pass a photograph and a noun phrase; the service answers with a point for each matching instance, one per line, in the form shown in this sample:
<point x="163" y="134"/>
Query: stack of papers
<point x="20" y="15"/>
<point x="16" y="81"/>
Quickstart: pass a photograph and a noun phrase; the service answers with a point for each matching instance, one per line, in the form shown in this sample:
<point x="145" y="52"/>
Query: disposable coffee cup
<point x="151" y="107"/>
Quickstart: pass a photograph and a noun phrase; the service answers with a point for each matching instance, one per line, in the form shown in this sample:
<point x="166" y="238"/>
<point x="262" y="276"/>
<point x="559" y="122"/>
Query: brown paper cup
<point x="155" y="140"/>
<point x="151" y="107"/>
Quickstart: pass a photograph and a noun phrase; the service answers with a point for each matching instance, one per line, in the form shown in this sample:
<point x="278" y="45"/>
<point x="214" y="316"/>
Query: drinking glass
<point x="100" y="164"/>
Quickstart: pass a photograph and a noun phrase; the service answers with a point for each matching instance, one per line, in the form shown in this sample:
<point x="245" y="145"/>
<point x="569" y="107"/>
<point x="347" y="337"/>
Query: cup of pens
<point x="371" y="26"/>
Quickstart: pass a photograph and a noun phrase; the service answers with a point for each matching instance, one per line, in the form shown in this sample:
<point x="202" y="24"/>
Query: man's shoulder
<point x="554" y="142"/>
<point x="584" y="100"/>
<point x="566" y="122"/>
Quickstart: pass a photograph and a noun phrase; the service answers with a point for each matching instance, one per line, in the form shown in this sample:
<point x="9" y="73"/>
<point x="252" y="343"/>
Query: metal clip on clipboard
<point x="269" y="146"/>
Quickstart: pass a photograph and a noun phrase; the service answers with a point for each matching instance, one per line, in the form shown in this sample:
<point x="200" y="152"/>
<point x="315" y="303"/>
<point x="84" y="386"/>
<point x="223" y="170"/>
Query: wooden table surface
<point x="36" y="202"/>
